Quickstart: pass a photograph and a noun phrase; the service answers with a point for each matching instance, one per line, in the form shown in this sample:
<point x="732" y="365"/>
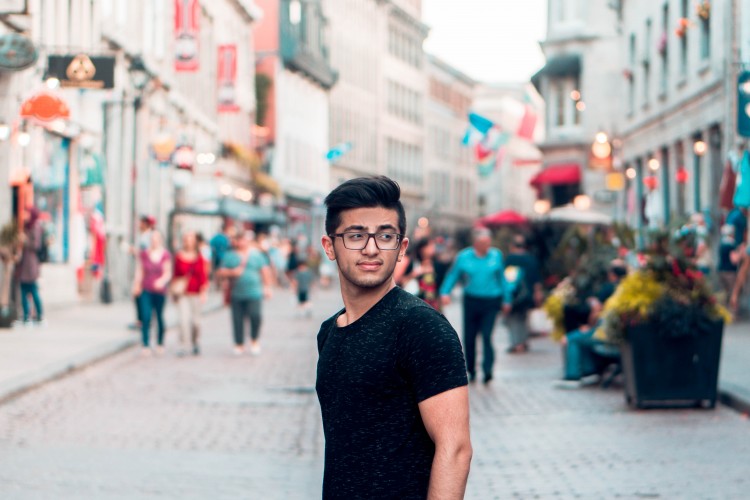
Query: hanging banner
<point x="227" y="75"/>
<point x="186" y="32"/>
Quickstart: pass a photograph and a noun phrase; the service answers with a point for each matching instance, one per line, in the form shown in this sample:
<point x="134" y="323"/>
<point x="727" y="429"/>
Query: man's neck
<point x="357" y="300"/>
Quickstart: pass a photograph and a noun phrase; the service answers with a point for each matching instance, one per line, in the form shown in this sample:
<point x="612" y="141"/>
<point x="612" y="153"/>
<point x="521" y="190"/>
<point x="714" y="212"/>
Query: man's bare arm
<point x="446" y="418"/>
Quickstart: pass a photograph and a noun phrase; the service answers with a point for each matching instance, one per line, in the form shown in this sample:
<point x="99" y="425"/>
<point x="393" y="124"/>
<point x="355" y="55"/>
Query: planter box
<point x="667" y="372"/>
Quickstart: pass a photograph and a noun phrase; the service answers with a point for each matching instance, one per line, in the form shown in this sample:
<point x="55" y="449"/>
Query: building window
<point x="684" y="40"/>
<point x="629" y="74"/>
<point x="647" y="64"/>
<point x="705" y="25"/>
<point x="559" y="105"/>
<point x="662" y="49"/>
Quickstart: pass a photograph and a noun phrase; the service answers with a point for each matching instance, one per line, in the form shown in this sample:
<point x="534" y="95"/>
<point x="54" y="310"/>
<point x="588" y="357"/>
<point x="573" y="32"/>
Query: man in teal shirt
<point x="482" y="269"/>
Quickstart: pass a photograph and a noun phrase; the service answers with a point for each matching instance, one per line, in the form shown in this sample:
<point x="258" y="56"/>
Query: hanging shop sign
<point x="227" y="75"/>
<point x="186" y="34"/>
<point x="16" y="52"/>
<point x="13" y="7"/>
<point x="82" y="71"/>
<point x="45" y="107"/>
<point x="184" y="157"/>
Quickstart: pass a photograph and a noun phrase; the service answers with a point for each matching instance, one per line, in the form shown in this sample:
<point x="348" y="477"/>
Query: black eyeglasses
<point x="358" y="241"/>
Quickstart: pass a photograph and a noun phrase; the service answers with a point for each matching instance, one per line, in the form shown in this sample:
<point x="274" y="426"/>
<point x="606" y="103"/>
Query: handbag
<point x="178" y="286"/>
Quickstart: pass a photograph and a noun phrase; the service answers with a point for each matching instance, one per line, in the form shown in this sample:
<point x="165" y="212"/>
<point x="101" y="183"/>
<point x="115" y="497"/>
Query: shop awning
<point x="236" y="210"/>
<point x="555" y="175"/>
<point x="557" y="67"/>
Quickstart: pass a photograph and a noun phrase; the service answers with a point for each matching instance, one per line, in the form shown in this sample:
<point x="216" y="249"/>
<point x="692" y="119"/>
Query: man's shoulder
<point x="410" y="310"/>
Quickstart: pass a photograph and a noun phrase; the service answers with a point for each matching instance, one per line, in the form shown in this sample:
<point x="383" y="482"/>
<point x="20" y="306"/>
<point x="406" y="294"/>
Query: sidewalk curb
<point x="54" y="371"/>
<point x="735" y="397"/>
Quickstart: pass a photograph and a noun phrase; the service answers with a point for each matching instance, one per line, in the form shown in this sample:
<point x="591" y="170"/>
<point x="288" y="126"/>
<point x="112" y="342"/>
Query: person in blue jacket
<point x="481" y="269"/>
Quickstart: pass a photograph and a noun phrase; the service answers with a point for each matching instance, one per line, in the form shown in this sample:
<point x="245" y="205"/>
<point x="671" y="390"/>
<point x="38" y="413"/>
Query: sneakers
<point x="254" y="348"/>
<point x="238" y="350"/>
<point x="567" y="384"/>
<point x="196" y="350"/>
<point x="586" y="381"/>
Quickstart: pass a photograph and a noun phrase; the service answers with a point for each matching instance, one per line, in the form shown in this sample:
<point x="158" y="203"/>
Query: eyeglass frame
<point x="399" y="237"/>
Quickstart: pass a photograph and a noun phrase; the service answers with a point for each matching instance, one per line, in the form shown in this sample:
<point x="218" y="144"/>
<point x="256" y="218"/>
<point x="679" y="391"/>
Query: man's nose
<point x="371" y="247"/>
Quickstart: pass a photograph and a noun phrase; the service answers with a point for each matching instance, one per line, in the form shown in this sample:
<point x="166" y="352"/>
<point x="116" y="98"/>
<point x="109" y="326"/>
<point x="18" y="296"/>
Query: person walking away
<point x="221" y="243"/>
<point x="425" y="274"/>
<point x="152" y="275"/>
<point x="146" y="225"/>
<point x="485" y="291"/>
<point x="391" y="377"/>
<point x="303" y="278"/>
<point x="528" y="285"/>
<point x="251" y="277"/>
<point x="29" y="267"/>
<point x="189" y="287"/>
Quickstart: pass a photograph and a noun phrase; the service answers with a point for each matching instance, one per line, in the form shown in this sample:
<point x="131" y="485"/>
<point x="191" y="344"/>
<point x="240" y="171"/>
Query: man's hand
<point x="445" y="299"/>
<point x="506" y="309"/>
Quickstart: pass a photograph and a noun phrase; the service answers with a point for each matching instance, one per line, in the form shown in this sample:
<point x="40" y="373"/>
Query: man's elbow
<point x="459" y="453"/>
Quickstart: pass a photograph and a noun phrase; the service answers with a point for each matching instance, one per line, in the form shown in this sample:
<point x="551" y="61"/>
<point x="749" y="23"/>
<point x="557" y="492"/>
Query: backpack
<point x="42" y="253"/>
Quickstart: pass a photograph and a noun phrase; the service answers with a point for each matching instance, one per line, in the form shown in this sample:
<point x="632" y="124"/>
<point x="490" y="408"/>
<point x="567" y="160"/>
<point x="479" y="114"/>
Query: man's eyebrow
<point x="358" y="227"/>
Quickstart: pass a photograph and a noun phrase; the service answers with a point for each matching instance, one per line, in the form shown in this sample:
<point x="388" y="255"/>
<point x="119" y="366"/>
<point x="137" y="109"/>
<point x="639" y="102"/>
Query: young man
<point x="391" y="377"/>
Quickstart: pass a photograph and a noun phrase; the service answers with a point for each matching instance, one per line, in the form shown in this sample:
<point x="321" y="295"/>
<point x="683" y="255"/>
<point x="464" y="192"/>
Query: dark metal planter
<point x="668" y="372"/>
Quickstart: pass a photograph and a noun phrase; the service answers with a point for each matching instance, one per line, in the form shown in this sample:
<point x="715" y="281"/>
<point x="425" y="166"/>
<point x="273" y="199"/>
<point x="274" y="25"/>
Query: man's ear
<point x="402" y="248"/>
<point x="327" y="243"/>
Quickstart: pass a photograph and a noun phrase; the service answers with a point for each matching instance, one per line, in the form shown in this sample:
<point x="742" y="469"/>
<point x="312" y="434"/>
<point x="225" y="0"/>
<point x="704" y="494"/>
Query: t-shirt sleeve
<point x="230" y="260"/>
<point x="430" y="356"/>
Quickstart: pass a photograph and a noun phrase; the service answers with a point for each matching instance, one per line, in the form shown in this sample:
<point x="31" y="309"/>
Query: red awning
<point x="569" y="173"/>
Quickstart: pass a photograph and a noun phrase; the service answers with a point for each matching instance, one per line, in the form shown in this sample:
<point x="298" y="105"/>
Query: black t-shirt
<point x="371" y="376"/>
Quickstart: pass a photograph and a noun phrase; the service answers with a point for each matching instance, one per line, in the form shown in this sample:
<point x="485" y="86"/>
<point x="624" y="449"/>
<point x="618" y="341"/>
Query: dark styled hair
<point x="364" y="192"/>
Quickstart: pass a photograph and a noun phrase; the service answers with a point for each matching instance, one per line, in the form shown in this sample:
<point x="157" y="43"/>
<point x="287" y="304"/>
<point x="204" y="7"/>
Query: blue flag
<point x="338" y="151"/>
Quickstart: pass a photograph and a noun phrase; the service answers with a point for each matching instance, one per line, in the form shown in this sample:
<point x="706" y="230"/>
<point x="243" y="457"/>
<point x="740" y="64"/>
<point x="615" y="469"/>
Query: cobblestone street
<point x="221" y="426"/>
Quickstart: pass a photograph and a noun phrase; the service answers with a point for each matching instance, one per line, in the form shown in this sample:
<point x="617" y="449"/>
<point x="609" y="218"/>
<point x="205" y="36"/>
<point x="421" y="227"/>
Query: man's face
<point x="482" y="244"/>
<point x="369" y="267"/>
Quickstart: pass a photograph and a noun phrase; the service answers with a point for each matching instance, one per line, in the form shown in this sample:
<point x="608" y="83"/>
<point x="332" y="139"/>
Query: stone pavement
<point x="221" y="426"/>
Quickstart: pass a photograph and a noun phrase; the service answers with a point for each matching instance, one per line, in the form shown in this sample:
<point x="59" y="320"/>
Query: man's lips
<point x="369" y="266"/>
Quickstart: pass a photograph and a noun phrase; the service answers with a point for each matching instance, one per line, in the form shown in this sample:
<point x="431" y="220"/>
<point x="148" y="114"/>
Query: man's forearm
<point x="450" y="471"/>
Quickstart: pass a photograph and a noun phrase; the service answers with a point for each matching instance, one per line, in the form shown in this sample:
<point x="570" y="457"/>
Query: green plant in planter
<point x="669" y="293"/>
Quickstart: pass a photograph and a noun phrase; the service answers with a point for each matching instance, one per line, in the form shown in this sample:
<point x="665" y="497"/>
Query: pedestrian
<point x="146" y="225"/>
<point x="29" y="267"/>
<point x="303" y="278"/>
<point x="189" y="287"/>
<point x="485" y="292"/>
<point x="221" y="243"/>
<point x="205" y="250"/>
<point x="152" y="275"/>
<point x="391" y="378"/>
<point x="727" y="261"/>
<point x="251" y="280"/>
<point x="526" y="292"/>
<point x="424" y="273"/>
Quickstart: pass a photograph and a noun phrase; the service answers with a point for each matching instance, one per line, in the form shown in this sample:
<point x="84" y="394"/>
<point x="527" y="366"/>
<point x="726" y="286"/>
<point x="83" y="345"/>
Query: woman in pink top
<point x="190" y="267"/>
<point x="152" y="275"/>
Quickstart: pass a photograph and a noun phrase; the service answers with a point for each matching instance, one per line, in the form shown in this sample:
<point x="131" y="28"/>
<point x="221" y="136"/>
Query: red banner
<point x="186" y="35"/>
<point x="227" y="76"/>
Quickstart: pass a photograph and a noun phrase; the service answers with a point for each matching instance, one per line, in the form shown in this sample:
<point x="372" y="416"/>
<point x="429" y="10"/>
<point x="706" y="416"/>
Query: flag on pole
<point x="338" y="151"/>
<point x="478" y="128"/>
<point x="528" y="123"/>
